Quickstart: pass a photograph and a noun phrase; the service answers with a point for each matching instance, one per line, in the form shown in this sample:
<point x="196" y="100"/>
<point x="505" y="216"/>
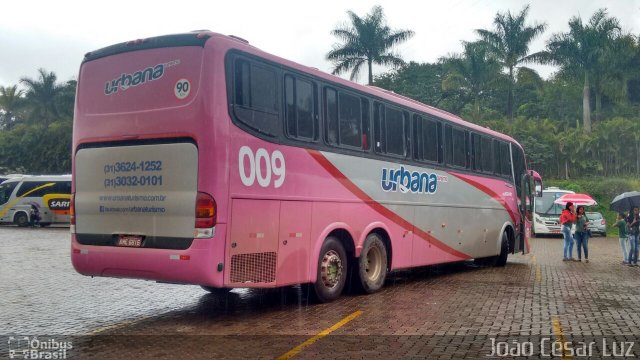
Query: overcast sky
<point x="55" y="34"/>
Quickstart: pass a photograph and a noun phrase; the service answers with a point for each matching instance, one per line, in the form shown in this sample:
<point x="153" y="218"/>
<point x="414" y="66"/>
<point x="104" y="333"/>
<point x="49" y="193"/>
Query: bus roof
<point x="241" y="44"/>
<point x="201" y="38"/>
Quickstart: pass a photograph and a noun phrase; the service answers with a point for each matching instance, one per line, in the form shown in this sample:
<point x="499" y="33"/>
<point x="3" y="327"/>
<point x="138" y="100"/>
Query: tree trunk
<point x="566" y="169"/>
<point x="370" y="63"/>
<point x="637" y="158"/>
<point x="586" y="109"/>
<point x="625" y="90"/>
<point x="598" y="105"/>
<point x="510" y="97"/>
<point x="476" y="109"/>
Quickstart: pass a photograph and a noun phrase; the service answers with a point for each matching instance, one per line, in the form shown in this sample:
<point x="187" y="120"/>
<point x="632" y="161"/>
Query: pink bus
<point x="200" y="159"/>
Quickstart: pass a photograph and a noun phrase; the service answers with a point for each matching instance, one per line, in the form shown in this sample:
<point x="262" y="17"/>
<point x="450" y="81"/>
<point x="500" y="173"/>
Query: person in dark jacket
<point x="582" y="234"/>
<point x="634" y="232"/>
<point x="34" y="216"/>
<point x="621" y="224"/>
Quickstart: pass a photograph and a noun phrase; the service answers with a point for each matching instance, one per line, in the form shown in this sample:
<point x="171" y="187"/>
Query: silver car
<point x="597" y="223"/>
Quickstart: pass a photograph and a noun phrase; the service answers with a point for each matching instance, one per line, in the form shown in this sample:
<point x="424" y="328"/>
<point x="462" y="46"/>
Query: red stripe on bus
<point x="354" y="189"/>
<point x="489" y="192"/>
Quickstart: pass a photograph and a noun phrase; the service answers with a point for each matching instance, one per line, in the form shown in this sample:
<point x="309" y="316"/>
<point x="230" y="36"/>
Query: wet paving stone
<point x="452" y="311"/>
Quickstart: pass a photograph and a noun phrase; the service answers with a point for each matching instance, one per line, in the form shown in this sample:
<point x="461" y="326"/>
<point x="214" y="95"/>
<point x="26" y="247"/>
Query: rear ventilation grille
<point x="253" y="268"/>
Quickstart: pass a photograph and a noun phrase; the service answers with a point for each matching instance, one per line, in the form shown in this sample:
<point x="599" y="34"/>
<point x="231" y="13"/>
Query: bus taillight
<point x="72" y="209"/>
<point x="72" y="213"/>
<point x="205" y="211"/>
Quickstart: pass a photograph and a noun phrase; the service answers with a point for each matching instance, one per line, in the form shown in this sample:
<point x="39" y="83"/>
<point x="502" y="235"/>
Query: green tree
<point x="622" y="64"/>
<point x="366" y="40"/>
<point x="582" y="49"/>
<point x="509" y="42"/>
<point x="42" y="97"/>
<point x="421" y="82"/>
<point x="472" y="74"/>
<point x="10" y="103"/>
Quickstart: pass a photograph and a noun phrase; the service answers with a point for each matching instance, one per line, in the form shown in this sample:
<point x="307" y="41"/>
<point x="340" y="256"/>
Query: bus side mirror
<point x="537" y="183"/>
<point x="538" y="190"/>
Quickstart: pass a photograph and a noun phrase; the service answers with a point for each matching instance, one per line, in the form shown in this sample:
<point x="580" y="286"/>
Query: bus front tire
<point x="496" y="260"/>
<point x="332" y="271"/>
<point x="21" y="219"/>
<point x="372" y="264"/>
<point x="504" y="251"/>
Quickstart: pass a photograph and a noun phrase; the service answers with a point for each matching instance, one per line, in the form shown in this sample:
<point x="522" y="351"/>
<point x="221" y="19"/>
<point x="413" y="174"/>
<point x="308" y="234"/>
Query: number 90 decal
<point x="261" y="167"/>
<point x="182" y="89"/>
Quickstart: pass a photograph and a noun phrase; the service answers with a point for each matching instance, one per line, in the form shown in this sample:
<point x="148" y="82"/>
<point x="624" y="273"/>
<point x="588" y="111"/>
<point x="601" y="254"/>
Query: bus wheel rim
<point x="331" y="269"/>
<point x="373" y="263"/>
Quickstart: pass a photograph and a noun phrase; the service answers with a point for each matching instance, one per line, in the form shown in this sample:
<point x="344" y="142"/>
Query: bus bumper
<point x="199" y="264"/>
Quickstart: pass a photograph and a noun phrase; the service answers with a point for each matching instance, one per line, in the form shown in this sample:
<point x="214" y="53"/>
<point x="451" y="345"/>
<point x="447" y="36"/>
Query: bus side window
<point x="255" y="96"/>
<point x="378" y="121"/>
<point x="6" y="190"/>
<point x="331" y="115"/>
<point x="300" y="108"/>
<point x="366" y="124"/>
<point x="394" y="130"/>
<point x="350" y="120"/>
<point x="486" y="154"/>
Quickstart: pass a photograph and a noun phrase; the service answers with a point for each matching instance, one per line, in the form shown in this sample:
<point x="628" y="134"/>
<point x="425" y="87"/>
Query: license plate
<point x="130" y="240"/>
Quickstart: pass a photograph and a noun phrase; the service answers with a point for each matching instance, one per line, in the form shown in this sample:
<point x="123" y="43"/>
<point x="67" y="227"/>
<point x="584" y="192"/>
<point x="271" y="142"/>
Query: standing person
<point x="634" y="222"/>
<point x="567" y="218"/>
<point x="34" y="215"/>
<point x="582" y="233"/>
<point x="621" y="224"/>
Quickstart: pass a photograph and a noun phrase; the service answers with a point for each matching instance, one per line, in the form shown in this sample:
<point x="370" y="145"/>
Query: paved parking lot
<point x="537" y="305"/>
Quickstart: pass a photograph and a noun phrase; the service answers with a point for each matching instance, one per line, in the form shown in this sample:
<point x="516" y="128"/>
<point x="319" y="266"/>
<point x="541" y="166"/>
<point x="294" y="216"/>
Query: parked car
<point x="597" y="223"/>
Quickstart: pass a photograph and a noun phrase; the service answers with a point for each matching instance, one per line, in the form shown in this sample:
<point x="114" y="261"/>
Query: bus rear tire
<point x="372" y="264"/>
<point x="21" y="219"/>
<point x="215" y="290"/>
<point x="504" y="250"/>
<point x="332" y="271"/>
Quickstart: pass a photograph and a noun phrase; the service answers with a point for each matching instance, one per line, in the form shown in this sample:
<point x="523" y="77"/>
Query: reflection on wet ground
<point x="43" y="294"/>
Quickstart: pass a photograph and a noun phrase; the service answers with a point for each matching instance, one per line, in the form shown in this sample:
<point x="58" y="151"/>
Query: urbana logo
<point x="125" y="81"/>
<point x="407" y="181"/>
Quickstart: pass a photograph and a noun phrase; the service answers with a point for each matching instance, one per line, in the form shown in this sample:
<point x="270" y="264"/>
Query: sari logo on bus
<point x="408" y="181"/>
<point x="59" y="204"/>
<point x="125" y="81"/>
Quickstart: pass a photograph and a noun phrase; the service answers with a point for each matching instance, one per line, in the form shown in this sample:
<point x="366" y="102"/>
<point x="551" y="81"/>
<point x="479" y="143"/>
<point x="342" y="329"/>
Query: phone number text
<point x="133" y="181"/>
<point x="131" y="166"/>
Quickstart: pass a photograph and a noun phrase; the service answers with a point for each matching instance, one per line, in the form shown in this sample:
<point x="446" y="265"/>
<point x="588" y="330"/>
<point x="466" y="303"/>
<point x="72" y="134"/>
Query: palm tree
<point x="367" y="40"/>
<point x="10" y="102"/>
<point x="66" y="99"/>
<point x="582" y="49"/>
<point x="510" y="44"/>
<point x="622" y="63"/>
<point x="42" y="96"/>
<point x="473" y="73"/>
